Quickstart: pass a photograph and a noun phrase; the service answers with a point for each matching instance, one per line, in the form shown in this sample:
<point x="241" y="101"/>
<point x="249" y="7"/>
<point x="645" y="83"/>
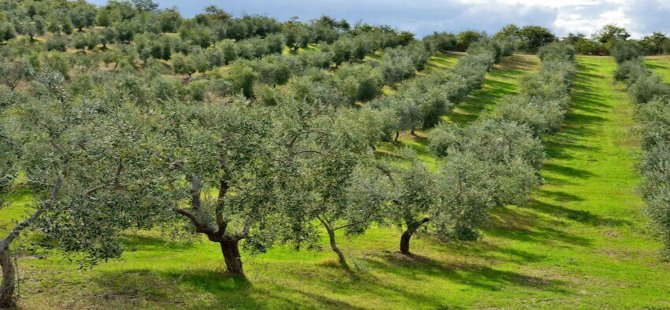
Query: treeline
<point x="652" y="97"/>
<point x="420" y="103"/>
<point x="507" y="146"/>
<point x="263" y="151"/>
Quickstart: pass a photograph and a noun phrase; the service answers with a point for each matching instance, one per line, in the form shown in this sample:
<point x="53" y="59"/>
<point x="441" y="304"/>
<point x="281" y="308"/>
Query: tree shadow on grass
<point x="135" y="242"/>
<point x="568" y="171"/>
<point x="491" y="93"/>
<point x="475" y="275"/>
<point x="519" y="224"/>
<point x="581" y="216"/>
<point x="654" y="66"/>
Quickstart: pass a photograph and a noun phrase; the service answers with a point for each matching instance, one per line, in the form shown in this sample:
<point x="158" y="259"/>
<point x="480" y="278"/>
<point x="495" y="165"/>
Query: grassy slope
<point x="582" y="243"/>
<point x="502" y="80"/>
<point x="660" y="65"/>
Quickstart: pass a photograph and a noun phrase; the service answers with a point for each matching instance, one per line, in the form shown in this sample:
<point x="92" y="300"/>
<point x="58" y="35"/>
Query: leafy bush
<point x="623" y="50"/>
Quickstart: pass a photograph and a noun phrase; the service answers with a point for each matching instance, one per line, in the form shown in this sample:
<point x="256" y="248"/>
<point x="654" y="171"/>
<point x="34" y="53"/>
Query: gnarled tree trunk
<point x="8" y="277"/>
<point x="407" y="235"/>
<point x="333" y="245"/>
<point x="231" y="254"/>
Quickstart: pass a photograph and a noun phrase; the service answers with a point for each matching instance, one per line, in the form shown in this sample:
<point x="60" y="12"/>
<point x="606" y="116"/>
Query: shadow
<point x="567" y="171"/>
<point x="136" y="242"/>
<point x="581" y="216"/>
<point x="475" y="275"/>
<point x="519" y="224"/>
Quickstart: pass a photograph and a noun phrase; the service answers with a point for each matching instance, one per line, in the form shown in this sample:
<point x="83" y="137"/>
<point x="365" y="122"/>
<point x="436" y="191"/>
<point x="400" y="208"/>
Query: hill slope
<point x="582" y="243"/>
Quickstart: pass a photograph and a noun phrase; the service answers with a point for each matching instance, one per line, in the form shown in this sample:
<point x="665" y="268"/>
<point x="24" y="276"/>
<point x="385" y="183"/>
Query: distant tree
<point x="405" y="37"/>
<point x="108" y="35"/>
<point x="242" y="77"/>
<point x="196" y="34"/>
<point x="103" y="17"/>
<point x="625" y="50"/>
<point x="466" y="38"/>
<point x="341" y="50"/>
<point x="654" y="44"/>
<point x="53" y="25"/>
<point x="296" y="34"/>
<point x="56" y="43"/>
<point x="7" y="31"/>
<point x="145" y="5"/>
<point x="440" y="41"/>
<point x="535" y="37"/>
<point x="182" y="64"/>
<point x="610" y="33"/>
<point x="510" y="32"/>
<point x="12" y="72"/>
<point x="82" y="16"/>
<point x="170" y="20"/>
<point x="67" y="26"/>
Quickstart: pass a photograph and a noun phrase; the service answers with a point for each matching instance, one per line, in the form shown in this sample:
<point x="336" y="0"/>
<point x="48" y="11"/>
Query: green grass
<point x="501" y="81"/>
<point x="581" y="243"/>
<point x="660" y="65"/>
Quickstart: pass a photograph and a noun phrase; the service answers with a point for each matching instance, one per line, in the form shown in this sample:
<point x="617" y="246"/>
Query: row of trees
<point x="420" y="103"/>
<point x="602" y="42"/>
<point x="105" y="151"/>
<point x="652" y="96"/>
<point x="112" y="150"/>
<point x="504" y="153"/>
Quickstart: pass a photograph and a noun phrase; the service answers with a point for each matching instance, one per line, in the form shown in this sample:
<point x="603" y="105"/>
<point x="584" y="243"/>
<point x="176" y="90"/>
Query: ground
<point x="583" y="242"/>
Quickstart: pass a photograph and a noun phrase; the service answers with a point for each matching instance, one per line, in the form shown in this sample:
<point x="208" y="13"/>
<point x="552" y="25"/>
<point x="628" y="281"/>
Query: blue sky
<point x="422" y="17"/>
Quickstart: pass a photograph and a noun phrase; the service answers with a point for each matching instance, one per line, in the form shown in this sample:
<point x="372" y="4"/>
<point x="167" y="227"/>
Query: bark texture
<point x="231" y="254"/>
<point x="8" y="278"/>
<point x="333" y="245"/>
<point x="407" y="235"/>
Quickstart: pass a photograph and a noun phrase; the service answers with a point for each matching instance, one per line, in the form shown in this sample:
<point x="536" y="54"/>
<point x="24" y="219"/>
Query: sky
<point x="640" y="17"/>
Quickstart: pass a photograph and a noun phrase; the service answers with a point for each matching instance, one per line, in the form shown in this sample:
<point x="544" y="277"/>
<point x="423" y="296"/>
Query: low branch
<point x="200" y="227"/>
<point x="58" y="183"/>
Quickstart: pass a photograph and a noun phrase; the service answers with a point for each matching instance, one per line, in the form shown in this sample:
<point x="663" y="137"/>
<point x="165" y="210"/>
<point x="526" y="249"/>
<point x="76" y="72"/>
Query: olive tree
<point x="78" y="156"/>
<point x="453" y="203"/>
<point x="224" y="148"/>
<point x="335" y="171"/>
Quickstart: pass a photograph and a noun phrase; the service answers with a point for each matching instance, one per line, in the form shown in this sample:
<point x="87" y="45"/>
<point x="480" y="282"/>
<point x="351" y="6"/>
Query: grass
<point x="660" y="65"/>
<point x="581" y="243"/>
<point x="501" y="80"/>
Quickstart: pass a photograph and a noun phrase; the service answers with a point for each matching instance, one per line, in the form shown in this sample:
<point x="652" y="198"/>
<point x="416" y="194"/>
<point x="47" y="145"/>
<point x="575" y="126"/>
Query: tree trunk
<point x="333" y="245"/>
<point x="8" y="277"/>
<point x="231" y="254"/>
<point x="407" y="235"/>
<point x="397" y="135"/>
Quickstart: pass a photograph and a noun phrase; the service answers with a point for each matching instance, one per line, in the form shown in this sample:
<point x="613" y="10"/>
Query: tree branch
<point x="58" y="183"/>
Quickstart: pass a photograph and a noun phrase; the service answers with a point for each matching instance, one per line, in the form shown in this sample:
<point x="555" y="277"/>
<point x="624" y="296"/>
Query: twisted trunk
<point x="407" y="235"/>
<point x="231" y="254"/>
<point x="333" y="245"/>
<point x="8" y="277"/>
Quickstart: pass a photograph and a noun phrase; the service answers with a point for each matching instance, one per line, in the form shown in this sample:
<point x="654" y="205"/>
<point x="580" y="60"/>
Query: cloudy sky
<point x="422" y="17"/>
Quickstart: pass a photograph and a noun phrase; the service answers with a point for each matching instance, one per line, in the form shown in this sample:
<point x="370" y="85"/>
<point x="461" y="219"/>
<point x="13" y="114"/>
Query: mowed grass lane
<point x="659" y="65"/>
<point x="585" y="231"/>
<point x="582" y="243"/>
<point x="502" y="80"/>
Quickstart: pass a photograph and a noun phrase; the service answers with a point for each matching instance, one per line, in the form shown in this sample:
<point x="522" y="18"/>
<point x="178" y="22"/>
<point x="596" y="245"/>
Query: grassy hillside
<point x="502" y="80"/>
<point x="660" y="65"/>
<point x="582" y="243"/>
